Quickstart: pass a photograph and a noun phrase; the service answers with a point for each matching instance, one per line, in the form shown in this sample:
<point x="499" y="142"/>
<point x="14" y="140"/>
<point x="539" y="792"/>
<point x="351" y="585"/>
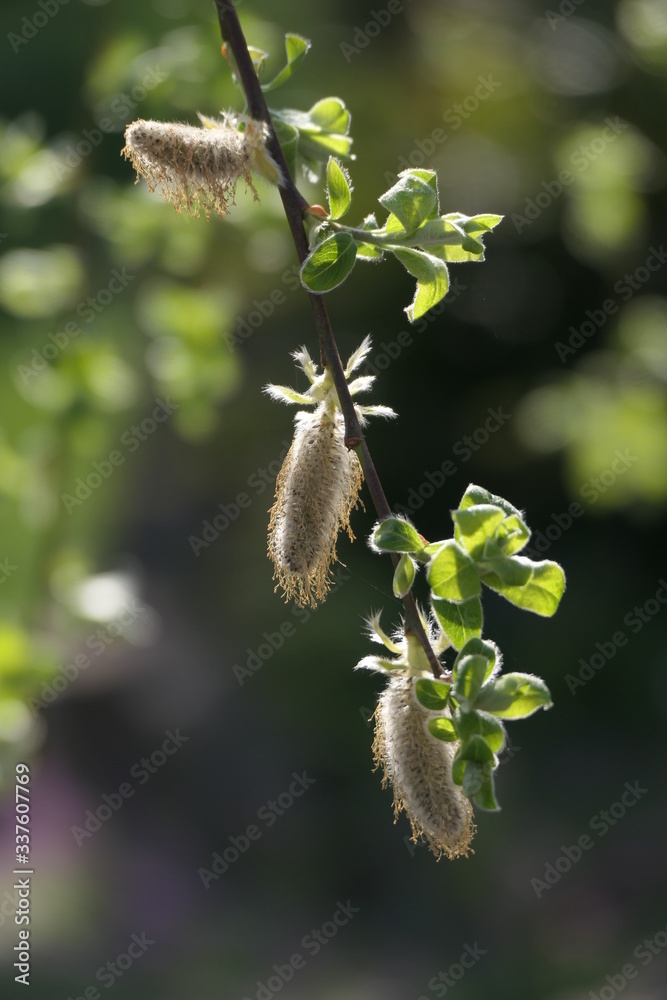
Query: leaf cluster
<point x="489" y="534"/>
<point x="424" y="241"/>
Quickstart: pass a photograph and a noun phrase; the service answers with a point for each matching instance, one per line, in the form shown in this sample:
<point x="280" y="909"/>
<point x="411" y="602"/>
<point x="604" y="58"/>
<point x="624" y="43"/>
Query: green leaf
<point x="412" y="199"/>
<point x="514" y="696"/>
<point x="478" y="495"/>
<point x="480" y="647"/>
<point x="482" y="724"/>
<point x="512" y="571"/>
<point x="339" y="192"/>
<point x="475" y="525"/>
<point x="451" y="574"/>
<point x="395" y="534"/>
<point x="258" y="57"/>
<point x="404" y="576"/>
<point x="469" y="676"/>
<point x="329" y="264"/>
<point x="477" y="750"/>
<point x="459" y="622"/>
<point x="432" y="280"/>
<point x="512" y="535"/>
<point x="295" y="48"/>
<point x="541" y="594"/>
<point x="442" y="728"/>
<point x="445" y="240"/>
<point x="330" y="114"/>
<point x="478" y="785"/>
<point x="432" y="694"/>
<point x="475" y="224"/>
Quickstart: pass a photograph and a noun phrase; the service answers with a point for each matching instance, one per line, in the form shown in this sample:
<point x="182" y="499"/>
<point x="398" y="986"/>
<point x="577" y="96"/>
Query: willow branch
<point x="295" y="205"/>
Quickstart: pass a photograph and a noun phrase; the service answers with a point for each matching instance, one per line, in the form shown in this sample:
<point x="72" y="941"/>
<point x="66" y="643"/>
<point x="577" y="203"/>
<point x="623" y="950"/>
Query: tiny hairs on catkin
<point x="419" y="767"/>
<point x="197" y="168"/>
<point x="318" y="485"/>
<point x="316" y="491"/>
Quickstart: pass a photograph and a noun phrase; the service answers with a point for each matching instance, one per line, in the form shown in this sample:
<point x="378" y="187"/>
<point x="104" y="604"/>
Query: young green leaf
<point x="459" y="622"/>
<point x="480" y="647"/>
<point x="469" y="676"/>
<point x="295" y="48"/>
<point x="478" y="495"/>
<point x="432" y="280"/>
<point x="478" y="785"/>
<point x="476" y="524"/>
<point x="514" y="696"/>
<point x="482" y="724"/>
<point x="432" y="694"/>
<point x="395" y="534"/>
<point x="451" y="574"/>
<point x="512" y="535"/>
<point x="442" y="728"/>
<point x="541" y="594"/>
<point x="404" y="576"/>
<point x="511" y="571"/>
<point x="412" y="200"/>
<point x="339" y="192"/>
<point x="329" y="264"/>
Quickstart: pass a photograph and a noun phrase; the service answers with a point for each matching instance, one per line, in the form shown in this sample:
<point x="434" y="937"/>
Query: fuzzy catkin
<point x="419" y="767"/>
<point x="195" y="168"/>
<point x="316" y="491"/>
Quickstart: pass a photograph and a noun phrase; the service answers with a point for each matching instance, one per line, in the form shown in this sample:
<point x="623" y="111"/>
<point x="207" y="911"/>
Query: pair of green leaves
<point x="489" y="533"/>
<point x="469" y="709"/>
<point x="414" y="232"/>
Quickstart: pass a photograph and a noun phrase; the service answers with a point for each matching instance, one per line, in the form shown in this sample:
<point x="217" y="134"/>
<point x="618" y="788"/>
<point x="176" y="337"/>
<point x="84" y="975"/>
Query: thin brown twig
<point x="295" y="205"/>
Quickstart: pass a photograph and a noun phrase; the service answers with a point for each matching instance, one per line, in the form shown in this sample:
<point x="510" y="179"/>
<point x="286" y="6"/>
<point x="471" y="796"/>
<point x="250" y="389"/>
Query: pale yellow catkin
<point x="195" y="168"/>
<point x="419" y="767"/>
<point x="316" y="491"/>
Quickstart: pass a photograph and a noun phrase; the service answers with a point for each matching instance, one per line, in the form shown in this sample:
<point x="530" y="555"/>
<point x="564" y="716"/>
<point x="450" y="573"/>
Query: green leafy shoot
<point x="296" y="48"/>
<point x="422" y="240"/>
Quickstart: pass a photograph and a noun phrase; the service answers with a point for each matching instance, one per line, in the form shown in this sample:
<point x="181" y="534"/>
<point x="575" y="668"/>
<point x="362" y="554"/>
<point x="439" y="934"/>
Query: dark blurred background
<point x="129" y="422"/>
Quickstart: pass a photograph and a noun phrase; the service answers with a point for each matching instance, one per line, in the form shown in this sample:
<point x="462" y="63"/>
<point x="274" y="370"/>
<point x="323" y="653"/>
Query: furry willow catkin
<point x="318" y="485"/>
<point x="316" y="491"/>
<point x="419" y="768"/>
<point x="197" y="168"/>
